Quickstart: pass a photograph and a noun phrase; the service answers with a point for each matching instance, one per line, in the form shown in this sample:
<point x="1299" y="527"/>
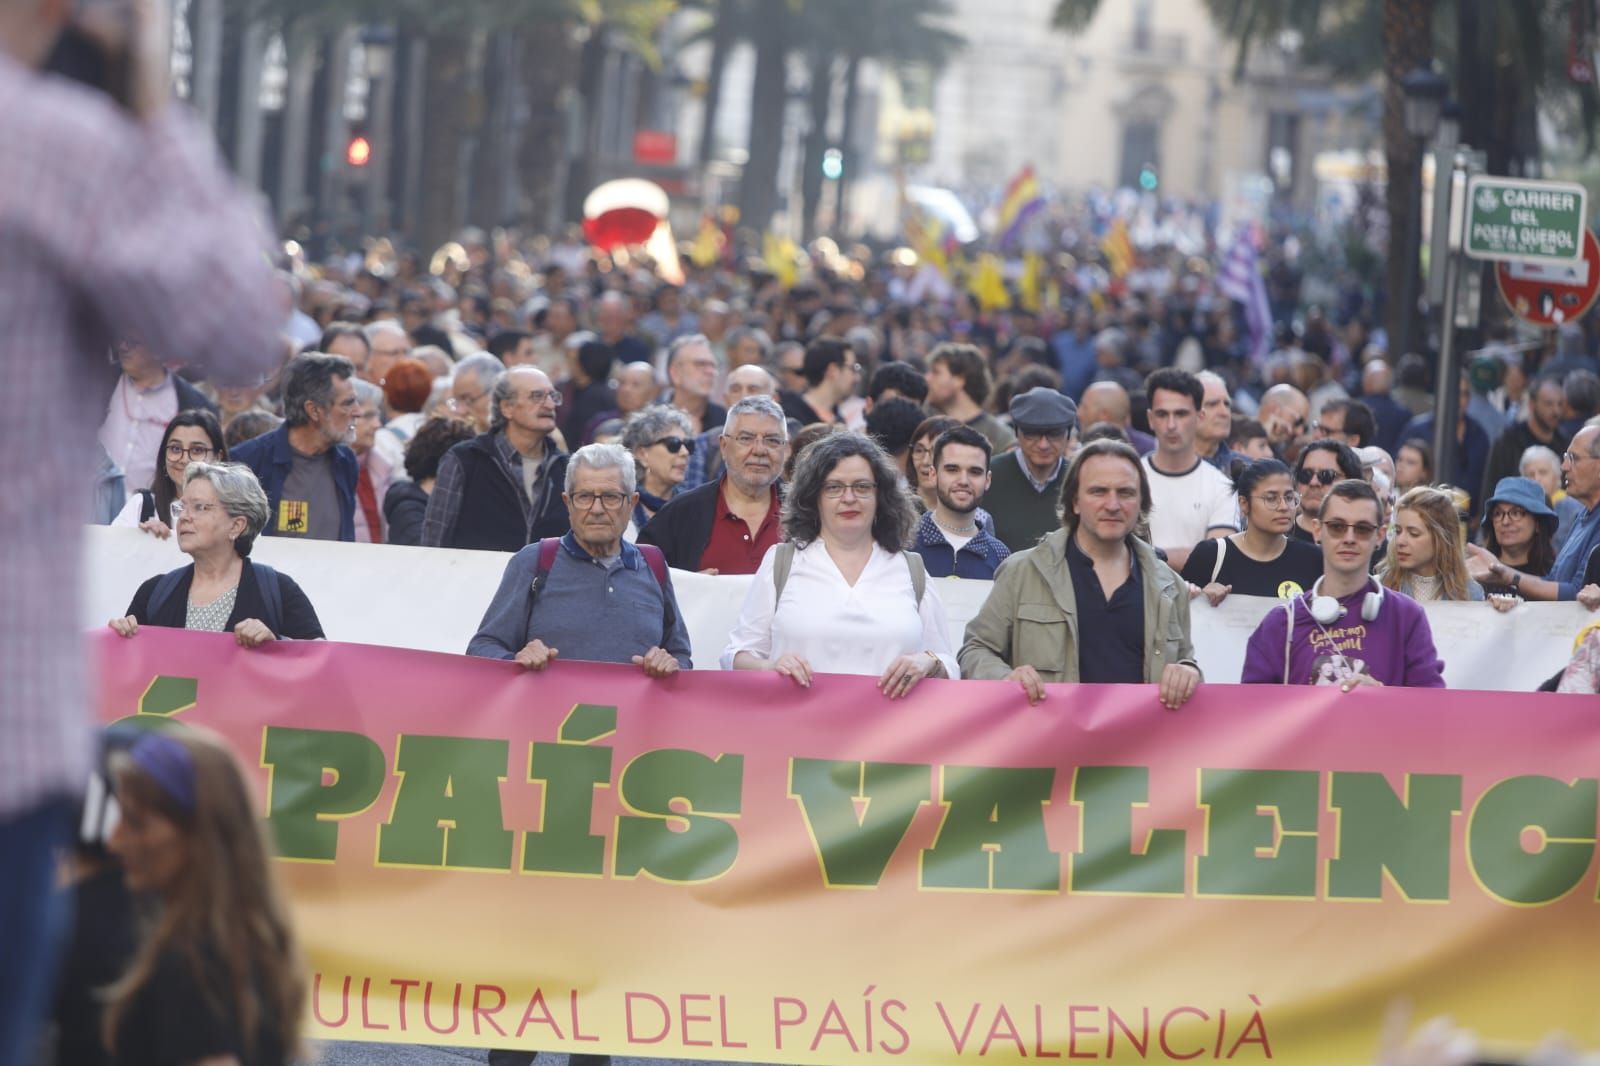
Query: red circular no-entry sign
<point x="1546" y="293"/>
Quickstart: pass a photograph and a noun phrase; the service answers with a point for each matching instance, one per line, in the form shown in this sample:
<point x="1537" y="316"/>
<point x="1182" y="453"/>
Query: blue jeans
<point x="33" y="922"/>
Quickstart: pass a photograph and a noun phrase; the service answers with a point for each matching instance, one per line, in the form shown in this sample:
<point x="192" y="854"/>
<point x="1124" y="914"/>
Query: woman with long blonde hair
<point x="218" y="977"/>
<point x="1427" y="557"/>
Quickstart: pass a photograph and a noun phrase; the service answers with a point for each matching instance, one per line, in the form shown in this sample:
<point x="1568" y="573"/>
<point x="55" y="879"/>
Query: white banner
<point x="432" y="599"/>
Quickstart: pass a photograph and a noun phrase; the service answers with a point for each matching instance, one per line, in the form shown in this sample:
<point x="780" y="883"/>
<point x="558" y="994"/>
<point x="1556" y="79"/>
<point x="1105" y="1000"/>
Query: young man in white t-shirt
<point x="1193" y="500"/>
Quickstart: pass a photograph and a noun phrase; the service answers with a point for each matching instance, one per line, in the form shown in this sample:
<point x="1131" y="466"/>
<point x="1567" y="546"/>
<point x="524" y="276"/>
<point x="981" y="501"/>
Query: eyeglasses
<point x="609" y="501"/>
<point x="459" y="403"/>
<point x="1339" y="527"/>
<point x="1322" y="477"/>
<point x="861" y="490"/>
<point x="179" y="509"/>
<point x="797" y="371"/>
<point x="1508" y="514"/>
<point x="1275" y="500"/>
<point x="540" y="396"/>
<point x="748" y="440"/>
<point x="676" y="444"/>
<point x="196" y="452"/>
<point x="1575" y="458"/>
<point x="1042" y="434"/>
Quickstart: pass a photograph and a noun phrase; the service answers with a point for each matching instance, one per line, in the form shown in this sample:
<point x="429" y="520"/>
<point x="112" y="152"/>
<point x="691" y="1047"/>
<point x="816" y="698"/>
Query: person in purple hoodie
<point x="1348" y="630"/>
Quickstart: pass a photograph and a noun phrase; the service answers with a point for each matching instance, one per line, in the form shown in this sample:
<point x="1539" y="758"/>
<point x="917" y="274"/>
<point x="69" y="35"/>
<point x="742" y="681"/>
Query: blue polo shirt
<point x="589" y="609"/>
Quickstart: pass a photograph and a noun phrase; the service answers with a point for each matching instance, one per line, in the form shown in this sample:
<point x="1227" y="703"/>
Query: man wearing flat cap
<point x="1027" y="481"/>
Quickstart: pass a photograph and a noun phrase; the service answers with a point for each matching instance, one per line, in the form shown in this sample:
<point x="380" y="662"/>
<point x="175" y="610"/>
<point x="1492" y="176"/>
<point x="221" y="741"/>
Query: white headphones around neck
<point x="1327" y="610"/>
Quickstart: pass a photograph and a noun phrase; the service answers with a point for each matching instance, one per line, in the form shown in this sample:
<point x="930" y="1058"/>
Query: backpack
<point x="783" y="562"/>
<point x="547" y="560"/>
<point x="266" y="580"/>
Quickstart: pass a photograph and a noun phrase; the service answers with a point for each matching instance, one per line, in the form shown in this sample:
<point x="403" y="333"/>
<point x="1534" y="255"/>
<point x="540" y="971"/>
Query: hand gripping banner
<point x="725" y="866"/>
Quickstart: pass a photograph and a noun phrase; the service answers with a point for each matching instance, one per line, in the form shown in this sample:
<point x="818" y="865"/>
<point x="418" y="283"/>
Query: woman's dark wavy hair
<point x="1541" y="550"/>
<point x="163" y="487"/>
<point x="895" y="518"/>
<point x="1252" y="474"/>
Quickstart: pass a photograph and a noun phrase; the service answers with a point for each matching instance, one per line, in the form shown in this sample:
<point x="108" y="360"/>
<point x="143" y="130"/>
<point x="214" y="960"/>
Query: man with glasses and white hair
<point x="390" y="343"/>
<point x="471" y="388"/>
<point x="588" y="595"/>
<point x="499" y="490"/>
<point x="692" y="370"/>
<point x="726" y="526"/>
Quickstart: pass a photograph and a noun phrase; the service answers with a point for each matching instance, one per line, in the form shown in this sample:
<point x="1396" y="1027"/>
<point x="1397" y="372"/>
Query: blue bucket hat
<point x="1520" y="492"/>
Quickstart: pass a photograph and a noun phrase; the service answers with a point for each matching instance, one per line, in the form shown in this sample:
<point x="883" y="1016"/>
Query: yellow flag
<point x="778" y="252"/>
<point x="1028" y="284"/>
<point x="1118" y="249"/>
<point x="708" y="244"/>
<point x="988" y="284"/>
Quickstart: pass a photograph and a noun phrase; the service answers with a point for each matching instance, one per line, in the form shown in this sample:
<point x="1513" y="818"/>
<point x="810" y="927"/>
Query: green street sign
<point x="1519" y="219"/>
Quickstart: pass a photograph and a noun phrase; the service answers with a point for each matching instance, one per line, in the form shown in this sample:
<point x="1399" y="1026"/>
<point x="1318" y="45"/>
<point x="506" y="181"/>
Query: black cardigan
<point x="299" y="620"/>
<point x="682" y="528"/>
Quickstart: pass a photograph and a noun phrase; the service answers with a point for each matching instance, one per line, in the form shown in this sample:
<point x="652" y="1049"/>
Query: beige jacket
<point x="1031" y="617"/>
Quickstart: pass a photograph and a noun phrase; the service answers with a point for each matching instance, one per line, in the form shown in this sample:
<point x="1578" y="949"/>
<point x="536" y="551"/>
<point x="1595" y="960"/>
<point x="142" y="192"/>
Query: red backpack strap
<point x="656" y="561"/>
<point x="547" y="554"/>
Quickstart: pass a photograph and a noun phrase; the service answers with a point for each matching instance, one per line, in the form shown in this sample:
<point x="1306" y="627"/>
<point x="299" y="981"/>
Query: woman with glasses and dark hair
<point x="919" y="461"/>
<point x="1263" y="560"/>
<point x="841" y="596"/>
<point x="193" y="436"/>
<point x="1519" y="530"/>
<point x="222" y="511"/>
<point x="661" y="439"/>
<point x="1320" y="464"/>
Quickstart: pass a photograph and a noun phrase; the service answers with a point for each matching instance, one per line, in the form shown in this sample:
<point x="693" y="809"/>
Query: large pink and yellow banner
<point x="724" y="866"/>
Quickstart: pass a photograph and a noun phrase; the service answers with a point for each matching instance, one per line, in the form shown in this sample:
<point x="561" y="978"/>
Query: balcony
<point x="1149" y="48"/>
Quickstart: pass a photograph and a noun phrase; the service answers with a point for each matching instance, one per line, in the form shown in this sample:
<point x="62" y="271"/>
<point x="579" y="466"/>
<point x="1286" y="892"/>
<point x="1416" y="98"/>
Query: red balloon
<point x="620" y="226"/>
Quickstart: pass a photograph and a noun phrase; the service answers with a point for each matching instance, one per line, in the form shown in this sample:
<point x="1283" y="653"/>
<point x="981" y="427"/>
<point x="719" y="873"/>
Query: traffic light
<point x="832" y="164"/>
<point x="358" y="152"/>
<point x="1148" y="178"/>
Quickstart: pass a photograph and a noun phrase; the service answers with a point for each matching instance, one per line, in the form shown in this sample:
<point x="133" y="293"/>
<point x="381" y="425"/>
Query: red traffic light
<point x="359" y="152"/>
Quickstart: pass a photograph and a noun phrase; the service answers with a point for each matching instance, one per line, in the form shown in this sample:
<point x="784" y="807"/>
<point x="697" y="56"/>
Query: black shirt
<point x="102" y="944"/>
<point x="1110" y="633"/>
<point x="1299" y="562"/>
<point x="171" y="1022"/>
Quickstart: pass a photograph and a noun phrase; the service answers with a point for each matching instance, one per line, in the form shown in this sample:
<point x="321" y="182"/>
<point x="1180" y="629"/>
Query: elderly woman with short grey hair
<point x="221" y="512"/>
<point x="661" y="439"/>
<point x="842" y="596"/>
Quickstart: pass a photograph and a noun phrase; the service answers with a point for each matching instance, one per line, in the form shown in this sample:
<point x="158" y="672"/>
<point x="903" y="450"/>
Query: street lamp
<point x="1425" y="91"/>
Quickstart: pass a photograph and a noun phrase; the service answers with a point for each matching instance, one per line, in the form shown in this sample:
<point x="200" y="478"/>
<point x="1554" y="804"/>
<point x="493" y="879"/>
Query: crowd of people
<point x="524" y="399"/>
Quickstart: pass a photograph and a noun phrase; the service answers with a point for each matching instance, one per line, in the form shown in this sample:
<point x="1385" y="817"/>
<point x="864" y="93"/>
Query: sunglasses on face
<point x="1321" y="477"/>
<point x="1339" y="527"/>
<point x="677" y="444"/>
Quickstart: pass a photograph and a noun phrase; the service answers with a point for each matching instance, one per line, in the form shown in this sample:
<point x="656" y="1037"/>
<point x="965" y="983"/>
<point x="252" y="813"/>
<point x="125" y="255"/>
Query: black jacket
<point x="299" y="617"/>
<point x="403" y="507"/>
<point x="491" y="516"/>
<point x="682" y="528"/>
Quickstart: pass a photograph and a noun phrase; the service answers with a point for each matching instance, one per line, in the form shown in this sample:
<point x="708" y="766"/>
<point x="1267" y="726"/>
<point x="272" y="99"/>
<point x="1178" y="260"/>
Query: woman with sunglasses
<point x="1426" y="560"/>
<point x="191" y="437"/>
<point x="841" y="596"/>
<point x="661" y="439"/>
<point x="1321" y="463"/>
<point x="1262" y="560"/>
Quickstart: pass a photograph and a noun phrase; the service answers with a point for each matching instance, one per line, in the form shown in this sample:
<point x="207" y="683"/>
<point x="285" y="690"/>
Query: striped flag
<point x="1022" y="201"/>
<point x="1240" y="280"/>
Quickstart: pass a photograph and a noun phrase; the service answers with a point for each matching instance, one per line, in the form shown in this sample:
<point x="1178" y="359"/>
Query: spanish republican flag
<point x="1022" y="201"/>
<point x="1118" y="249"/>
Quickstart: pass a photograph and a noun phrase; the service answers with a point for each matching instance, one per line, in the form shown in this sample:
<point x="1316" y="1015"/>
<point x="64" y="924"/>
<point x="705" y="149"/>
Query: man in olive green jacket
<point x="1091" y="602"/>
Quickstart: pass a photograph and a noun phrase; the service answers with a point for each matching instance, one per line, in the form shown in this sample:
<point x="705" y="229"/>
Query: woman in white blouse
<point x="852" y="602"/>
